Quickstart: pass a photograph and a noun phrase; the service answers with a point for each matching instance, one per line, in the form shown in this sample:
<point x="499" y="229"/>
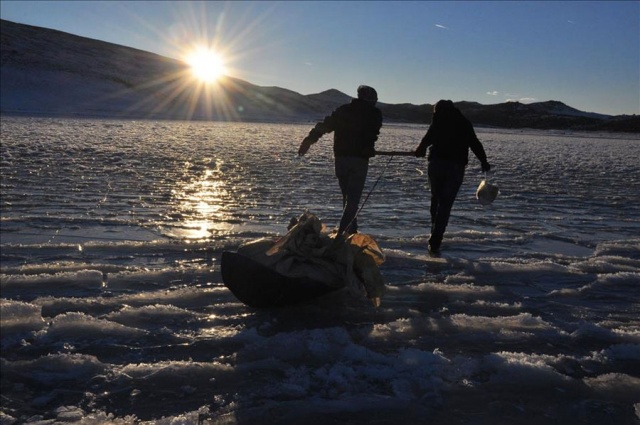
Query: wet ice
<point x="113" y="307"/>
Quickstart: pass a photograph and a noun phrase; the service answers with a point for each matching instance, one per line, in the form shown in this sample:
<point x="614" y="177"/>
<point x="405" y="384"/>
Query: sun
<point x="206" y="64"/>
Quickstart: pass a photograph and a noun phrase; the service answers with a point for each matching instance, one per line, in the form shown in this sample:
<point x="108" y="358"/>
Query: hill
<point x="48" y="72"/>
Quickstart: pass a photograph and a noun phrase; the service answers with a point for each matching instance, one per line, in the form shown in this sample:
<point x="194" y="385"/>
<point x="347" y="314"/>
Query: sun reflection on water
<point x="200" y="205"/>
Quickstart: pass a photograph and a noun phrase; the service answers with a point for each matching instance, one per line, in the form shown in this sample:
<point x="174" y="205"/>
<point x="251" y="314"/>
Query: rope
<point x="370" y="192"/>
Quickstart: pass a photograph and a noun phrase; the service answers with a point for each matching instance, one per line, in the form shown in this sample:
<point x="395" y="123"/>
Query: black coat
<point x="356" y="127"/>
<point x="450" y="137"/>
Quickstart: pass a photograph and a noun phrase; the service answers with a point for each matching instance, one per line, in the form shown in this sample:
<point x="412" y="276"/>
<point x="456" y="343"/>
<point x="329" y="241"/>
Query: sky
<point x="585" y="54"/>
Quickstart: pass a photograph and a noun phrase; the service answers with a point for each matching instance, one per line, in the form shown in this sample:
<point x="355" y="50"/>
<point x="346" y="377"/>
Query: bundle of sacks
<point x="308" y="250"/>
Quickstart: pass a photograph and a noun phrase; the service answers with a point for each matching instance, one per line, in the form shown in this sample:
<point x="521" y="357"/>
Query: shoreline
<point x="295" y="120"/>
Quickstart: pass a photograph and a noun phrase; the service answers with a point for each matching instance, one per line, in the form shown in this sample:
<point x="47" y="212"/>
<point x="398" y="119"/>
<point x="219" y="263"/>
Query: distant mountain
<point x="48" y="72"/>
<point x="546" y="115"/>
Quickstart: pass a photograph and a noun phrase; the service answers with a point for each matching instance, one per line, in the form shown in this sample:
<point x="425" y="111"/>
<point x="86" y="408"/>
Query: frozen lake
<point x="113" y="308"/>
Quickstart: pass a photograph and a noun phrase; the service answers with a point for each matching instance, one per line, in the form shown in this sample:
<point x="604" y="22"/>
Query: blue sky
<point x="585" y="54"/>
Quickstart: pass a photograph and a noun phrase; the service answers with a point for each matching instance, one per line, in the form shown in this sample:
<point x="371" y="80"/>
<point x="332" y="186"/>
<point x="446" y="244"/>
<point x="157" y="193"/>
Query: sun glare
<point x="206" y="65"/>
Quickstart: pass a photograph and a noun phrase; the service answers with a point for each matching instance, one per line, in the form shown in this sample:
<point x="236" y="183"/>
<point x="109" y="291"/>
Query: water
<point x="113" y="307"/>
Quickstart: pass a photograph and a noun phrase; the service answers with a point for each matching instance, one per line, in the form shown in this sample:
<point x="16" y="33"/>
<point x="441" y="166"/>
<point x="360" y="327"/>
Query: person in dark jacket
<point x="356" y="127"/>
<point x="449" y="138"/>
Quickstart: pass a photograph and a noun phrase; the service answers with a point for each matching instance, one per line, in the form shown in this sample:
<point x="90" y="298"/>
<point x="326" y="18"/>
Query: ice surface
<point x="114" y="311"/>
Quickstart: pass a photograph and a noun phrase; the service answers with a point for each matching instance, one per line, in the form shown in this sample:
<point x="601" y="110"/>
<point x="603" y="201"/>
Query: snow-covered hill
<point x="48" y="72"/>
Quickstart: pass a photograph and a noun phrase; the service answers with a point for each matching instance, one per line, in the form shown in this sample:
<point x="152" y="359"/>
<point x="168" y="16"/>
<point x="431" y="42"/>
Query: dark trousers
<point x="351" y="172"/>
<point x="445" y="179"/>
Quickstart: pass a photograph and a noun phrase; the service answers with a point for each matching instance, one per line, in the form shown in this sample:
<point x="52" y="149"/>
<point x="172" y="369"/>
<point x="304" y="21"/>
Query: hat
<point x="367" y="93"/>
<point x="443" y="105"/>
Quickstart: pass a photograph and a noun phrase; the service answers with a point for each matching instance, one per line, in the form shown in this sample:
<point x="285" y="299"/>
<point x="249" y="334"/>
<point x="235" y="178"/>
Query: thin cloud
<point x="441" y="26"/>
<point x="493" y="93"/>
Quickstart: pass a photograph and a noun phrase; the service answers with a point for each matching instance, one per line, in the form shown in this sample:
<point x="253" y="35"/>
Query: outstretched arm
<point x="427" y="140"/>
<point x="316" y="133"/>
<point x="306" y="144"/>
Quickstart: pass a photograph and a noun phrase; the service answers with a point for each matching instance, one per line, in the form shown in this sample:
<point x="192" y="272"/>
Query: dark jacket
<point x="449" y="137"/>
<point x="356" y="126"/>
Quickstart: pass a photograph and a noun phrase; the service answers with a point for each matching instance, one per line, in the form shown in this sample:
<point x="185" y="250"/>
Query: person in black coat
<point x="356" y="127"/>
<point x="449" y="138"/>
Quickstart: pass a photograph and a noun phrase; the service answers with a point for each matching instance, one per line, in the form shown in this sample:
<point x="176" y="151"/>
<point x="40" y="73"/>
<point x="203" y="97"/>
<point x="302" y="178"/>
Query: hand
<point x="486" y="167"/>
<point x="305" y="145"/>
<point x="369" y="152"/>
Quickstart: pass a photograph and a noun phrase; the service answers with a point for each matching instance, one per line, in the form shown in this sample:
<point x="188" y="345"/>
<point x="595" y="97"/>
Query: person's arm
<point x="372" y="137"/>
<point x="427" y="140"/>
<point x="478" y="149"/>
<point x="306" y="144"/>
<point x="323" y="127"/>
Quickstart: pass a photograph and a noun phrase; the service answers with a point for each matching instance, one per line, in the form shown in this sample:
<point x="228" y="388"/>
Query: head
<point x="443" y="106"/>
<point x="368" y="94"/>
